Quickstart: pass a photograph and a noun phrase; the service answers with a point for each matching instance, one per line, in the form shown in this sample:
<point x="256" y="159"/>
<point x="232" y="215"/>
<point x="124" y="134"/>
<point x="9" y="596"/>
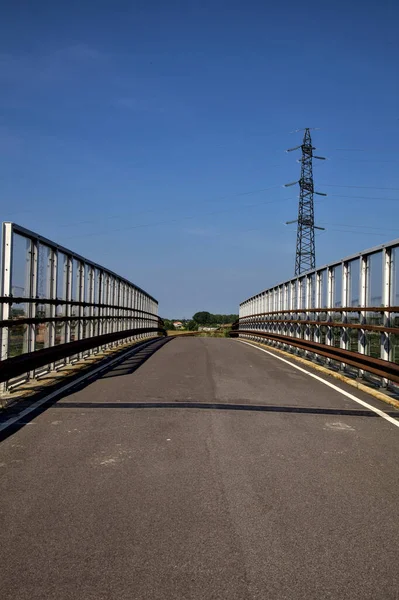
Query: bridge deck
<point x="112" y="494"/>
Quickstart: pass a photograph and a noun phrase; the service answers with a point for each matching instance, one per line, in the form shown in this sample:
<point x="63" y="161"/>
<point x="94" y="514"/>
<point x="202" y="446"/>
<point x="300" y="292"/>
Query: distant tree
<point x="192" y="326"/>
<point x="206" y="318"/>
<point x="169" y="325"/>
<point x="203" y="318"/>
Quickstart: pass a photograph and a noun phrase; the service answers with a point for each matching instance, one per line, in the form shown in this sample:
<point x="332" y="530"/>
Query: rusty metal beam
<point x="377" y="366"/>
<point x="18" y="365"/>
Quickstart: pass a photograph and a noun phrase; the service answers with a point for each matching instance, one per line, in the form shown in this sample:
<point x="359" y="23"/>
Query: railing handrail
<point x="325" y="310"/>
<point x="55" y="246"/>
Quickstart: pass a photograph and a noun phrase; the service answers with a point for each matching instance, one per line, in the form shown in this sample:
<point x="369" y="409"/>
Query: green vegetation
<point x="201" y="319"/>
<point x="208" y="319"/>
<point x="168" y="324"/>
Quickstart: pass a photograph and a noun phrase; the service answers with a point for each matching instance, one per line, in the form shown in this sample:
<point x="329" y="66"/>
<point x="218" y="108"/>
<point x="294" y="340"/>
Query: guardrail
<point x="57" y="306"/>
<point x="344" y="314"/>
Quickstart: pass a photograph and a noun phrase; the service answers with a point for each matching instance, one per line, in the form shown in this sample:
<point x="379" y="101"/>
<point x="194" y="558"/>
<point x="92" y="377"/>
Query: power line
<point x="358" y="226"/>
<point x="376" y="150"/>
<point x="352" y="232"/>
<point x="177" y="220"/>
<point x="362" y="160"/>
<point x="361" y="187"/>
<point x="124" y="215"/>
<point x="366" y="198"/>
<point x="154" y="210"/>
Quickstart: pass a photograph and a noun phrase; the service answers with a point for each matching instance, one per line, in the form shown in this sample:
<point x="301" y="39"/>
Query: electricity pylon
<point x="305" y="245"/>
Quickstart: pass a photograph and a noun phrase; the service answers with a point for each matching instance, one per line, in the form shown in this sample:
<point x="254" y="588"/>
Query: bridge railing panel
<point x="344" y="314"/>
<point x="57" y="307"/>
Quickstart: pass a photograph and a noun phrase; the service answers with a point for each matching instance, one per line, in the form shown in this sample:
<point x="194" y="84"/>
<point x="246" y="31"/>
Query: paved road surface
<point x="111" y="494"/>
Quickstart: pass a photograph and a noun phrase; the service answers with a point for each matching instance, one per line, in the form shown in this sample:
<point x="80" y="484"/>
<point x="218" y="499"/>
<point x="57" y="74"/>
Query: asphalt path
<point x="197" y="469"/>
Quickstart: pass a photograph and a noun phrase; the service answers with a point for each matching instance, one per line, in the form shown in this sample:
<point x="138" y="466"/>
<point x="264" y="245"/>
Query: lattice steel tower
<point x="305" y="244"/>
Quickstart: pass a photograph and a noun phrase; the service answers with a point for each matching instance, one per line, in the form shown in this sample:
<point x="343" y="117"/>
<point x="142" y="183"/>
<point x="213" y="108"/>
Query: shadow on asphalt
<point x="223" y="406"/>
<point x="131" y="364"/>
<point x="125" y="367"/>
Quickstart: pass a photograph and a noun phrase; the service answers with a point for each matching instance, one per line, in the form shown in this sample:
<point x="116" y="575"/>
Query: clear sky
<point x="150" y="136"/>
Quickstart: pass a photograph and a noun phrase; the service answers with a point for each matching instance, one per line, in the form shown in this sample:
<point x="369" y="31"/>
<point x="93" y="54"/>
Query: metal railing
<point x="344" y="314"/>
<point x="57" y="307"/>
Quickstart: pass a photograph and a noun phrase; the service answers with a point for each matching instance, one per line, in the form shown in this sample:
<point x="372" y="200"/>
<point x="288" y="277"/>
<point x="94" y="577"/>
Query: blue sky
<point x="150" y="136"/>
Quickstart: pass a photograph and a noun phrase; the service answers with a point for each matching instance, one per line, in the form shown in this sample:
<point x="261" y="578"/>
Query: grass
<point x="218" y="334"/>
<point x="179" y="332"/>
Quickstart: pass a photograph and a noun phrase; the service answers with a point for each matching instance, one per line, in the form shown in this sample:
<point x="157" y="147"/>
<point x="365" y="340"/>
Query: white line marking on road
<point x="379" y="412"/>
<point x="68" y="386"/>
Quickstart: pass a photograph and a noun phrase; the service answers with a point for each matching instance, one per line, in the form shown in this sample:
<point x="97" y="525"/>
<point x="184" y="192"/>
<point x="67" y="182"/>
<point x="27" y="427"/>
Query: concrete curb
<point x="356" y="384"/>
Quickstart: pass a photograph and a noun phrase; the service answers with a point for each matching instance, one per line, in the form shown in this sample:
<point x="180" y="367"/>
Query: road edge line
<point x="327" y="383"/>
<point x="356" y="384"/>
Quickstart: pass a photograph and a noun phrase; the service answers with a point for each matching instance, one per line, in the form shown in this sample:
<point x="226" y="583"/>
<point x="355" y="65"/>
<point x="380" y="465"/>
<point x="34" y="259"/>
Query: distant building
<point x="178" y="324"/>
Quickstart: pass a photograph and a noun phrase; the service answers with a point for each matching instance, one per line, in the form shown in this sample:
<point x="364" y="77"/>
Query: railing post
<point x="131" y="311"/>
<point x="330" y="307"/>
<point x="52" y="295"/>
<point x="286" y="308"/>
<point x="115" y="311"/>
<point x="149" y="322"/>
<point x="140" y="314"/>
<point x="122" y="310"/>
<point x="298" y="326"/>
<point x="387" y="265"/>
<point x="80" y="283"/>
<point x="134" y="312"/>
<point x="308" y="293"/>
<point x="117" y="297"/>
<point x="30" y="292"/>
<point x="344" y="340"/>
<point x="101" y="312"/>
<point x="110" y="302"/>
<point x="280" y="326"/>
<point x="106" y="303"/>
<point x="68" y="273"/>
<point x="140" y="305"/>
<point x="292" y="302"/>
<point x="6" y="288"/>
<point x="126" y="304"/>
<point x="140" y="300"/>
<point x="145" y="316"/>
<point x="90" y="299"/>
<point x="362" y="340"/>
<point x="308" y="304"/>
<point x="144" y="308"/>
<point x="33" y="293"/>
<point x="318" y="296"/>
